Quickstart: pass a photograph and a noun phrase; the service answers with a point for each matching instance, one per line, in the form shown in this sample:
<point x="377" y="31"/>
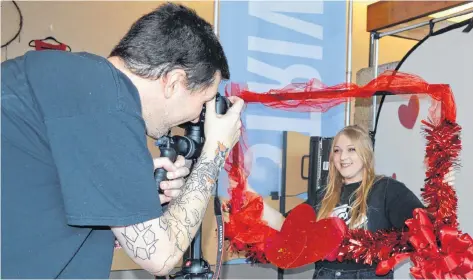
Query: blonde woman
<point x="361" y="198"/>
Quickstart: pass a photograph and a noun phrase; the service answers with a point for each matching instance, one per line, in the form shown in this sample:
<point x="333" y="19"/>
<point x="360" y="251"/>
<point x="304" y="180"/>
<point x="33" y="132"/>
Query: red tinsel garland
<point x="246" y="230"/>
<point x="367" y="247"/>
<point x="442" y="151"/>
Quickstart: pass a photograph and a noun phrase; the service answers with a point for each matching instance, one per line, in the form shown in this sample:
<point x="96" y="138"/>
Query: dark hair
<point x="173" y="37"/>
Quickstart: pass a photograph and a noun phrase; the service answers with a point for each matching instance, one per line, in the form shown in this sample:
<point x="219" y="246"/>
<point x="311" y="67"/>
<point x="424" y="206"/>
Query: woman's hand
<point x="450" y="177"/>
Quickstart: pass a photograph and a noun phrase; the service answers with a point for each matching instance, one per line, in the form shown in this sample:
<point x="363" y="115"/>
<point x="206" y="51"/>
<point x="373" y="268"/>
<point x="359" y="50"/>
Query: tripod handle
<point x="160" y="173"/>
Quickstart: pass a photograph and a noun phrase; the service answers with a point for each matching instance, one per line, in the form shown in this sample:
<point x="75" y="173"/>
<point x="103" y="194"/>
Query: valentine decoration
<point x="432" y="241"/>
<point x="408" y="113"/>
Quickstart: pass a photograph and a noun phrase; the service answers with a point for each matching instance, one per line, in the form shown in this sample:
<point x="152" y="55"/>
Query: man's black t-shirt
<point x="74" y="162"/>
<point x="390" y="204"/>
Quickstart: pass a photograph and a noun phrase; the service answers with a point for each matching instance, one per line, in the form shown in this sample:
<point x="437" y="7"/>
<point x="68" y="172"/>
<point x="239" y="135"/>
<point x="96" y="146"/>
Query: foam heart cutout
<point x="302" y="240"/>
<point x="408" y="113"/>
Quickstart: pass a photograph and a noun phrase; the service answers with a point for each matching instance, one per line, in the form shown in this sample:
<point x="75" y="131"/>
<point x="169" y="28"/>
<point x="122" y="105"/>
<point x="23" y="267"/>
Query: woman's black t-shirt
<point x="390" y="204"/>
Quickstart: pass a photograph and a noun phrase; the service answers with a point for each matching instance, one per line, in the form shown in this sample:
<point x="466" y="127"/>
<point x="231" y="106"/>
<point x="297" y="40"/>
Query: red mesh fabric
<point x="313" y="96"/>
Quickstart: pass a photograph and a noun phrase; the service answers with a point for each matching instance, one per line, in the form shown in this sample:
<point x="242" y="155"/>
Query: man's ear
<point x="173" y="82"/>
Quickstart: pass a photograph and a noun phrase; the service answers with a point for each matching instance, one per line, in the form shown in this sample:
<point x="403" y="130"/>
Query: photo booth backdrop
<point x="400" y="145"/>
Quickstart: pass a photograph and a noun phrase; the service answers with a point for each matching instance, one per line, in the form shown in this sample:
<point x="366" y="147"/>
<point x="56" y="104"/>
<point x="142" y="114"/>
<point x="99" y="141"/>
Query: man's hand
<point x="222" y="130"/>
<point x="175" y="174"/>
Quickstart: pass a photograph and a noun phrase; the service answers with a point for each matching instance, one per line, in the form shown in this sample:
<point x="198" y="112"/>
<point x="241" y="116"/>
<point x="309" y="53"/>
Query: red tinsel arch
<point x="433" y="241"/>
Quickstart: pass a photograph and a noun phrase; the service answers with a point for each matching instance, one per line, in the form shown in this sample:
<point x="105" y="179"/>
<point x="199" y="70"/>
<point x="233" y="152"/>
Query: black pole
<point x="282" y="200"/>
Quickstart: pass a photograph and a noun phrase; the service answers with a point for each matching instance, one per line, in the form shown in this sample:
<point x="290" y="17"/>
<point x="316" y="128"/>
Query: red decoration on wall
<point x="408" y="113"/>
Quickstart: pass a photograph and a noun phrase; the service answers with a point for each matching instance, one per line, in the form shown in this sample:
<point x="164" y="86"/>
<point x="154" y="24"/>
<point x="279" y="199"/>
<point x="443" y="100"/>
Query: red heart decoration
<point x="302" y="240"/>
<point x="408" y="114"/>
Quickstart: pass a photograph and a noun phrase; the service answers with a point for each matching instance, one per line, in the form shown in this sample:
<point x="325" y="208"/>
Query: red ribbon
<point x="313" y="96"/>
<point x="450" y="258"/>
<point x="246" y="229"/>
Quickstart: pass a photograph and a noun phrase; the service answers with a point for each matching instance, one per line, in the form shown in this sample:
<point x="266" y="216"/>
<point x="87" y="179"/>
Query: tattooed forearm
<point x="165" y="225"/>
<point x="141" y="240"/>
<point x="188" y="209"/>
<point x="164" y="240"/>
<point x="198" y="188"/>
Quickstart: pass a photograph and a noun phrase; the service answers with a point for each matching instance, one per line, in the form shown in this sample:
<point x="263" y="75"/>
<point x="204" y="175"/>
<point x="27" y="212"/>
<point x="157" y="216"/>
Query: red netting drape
<point x="303" y="239"/>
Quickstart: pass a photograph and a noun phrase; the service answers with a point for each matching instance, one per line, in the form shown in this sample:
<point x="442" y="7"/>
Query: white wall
<point x="93" y="26"/>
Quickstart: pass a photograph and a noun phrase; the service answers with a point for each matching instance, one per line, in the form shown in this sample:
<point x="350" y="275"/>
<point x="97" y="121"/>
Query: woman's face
<point x="347" y="161"/>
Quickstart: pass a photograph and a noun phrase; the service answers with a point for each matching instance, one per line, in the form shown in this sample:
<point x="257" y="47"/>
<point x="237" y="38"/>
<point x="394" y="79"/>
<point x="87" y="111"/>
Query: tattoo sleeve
<point x="180" y="222"/>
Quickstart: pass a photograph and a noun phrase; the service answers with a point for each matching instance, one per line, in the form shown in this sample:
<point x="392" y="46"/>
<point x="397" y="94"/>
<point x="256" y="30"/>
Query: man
<point x="76" y="171"/>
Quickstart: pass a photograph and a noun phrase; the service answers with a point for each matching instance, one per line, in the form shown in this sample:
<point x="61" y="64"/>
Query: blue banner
<point x="270" y="44"/>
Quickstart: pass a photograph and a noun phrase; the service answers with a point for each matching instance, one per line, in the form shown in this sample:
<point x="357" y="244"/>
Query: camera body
<point x="190" y="145"/>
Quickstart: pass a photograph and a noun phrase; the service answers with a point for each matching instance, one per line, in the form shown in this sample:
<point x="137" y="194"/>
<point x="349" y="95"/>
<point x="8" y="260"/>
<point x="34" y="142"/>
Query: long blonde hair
<point x="364" y="148"/>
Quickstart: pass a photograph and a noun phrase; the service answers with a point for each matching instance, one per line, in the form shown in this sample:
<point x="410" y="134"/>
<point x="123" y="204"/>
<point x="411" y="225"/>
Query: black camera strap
<point x="220" y="235"/>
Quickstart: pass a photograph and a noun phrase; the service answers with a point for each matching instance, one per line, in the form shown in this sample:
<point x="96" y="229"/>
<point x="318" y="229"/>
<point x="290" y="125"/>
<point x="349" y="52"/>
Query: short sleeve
<point x="105" y="169"/>
<point x="400" y="203"/>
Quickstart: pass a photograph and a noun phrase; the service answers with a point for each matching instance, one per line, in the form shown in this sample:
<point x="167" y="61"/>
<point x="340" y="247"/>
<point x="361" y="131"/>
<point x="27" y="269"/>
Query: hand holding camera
<point x="222" y="129"/>
<point x="217" y="130"/>
<point x="176" y="172"/>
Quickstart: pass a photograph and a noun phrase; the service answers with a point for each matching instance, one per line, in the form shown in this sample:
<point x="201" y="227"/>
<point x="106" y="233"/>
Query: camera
<point x="190" y="145"/>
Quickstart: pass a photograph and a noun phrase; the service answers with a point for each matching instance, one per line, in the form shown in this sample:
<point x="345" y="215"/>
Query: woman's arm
<point x="270" y="215"/>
